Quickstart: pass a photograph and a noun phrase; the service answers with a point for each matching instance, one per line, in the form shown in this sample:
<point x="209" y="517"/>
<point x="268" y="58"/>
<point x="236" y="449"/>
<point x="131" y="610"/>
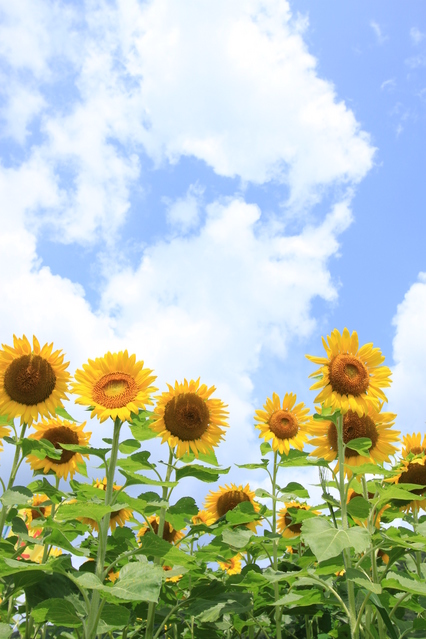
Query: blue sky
<point x="214" y="186"/>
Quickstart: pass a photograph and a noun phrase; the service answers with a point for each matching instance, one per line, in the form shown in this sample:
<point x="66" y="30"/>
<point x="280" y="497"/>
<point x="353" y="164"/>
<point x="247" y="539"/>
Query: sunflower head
<point x="187" y="417"/>
<point x="375" y="425"/>
<point x="351" y="378"/>
<point x="115" y="385"/>
<point x="33" y="380"/>
<point x="284" y="525"/>
<point x="233" y="566"/>
<point x="59" y="432"/>
<point x="39" y="510"/>
<point x="169" y="533"/>
<point x="117" y="517"/>
<point x="413" y="445"/>
<point x="203" y="517"/>
<point x="219" y="502"/>
<point x="286" y="423"/>
<point x="412" y="471"/>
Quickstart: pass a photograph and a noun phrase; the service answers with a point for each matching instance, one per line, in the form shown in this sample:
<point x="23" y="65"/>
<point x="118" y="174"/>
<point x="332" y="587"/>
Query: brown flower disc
<point x="29" y="380"/>
<point x="295" y="528"/>
<point x="354" y="427"/>
<point x="415" y="474"/>
<point x="115" y="390"/>
<point x="283" y="424"/>
<point x="229" y="500"/>
<point x="348" y="375"/>
<point x="61" y="435"/>
<point x="169" y="533"/>
<point x="187" y="416"/>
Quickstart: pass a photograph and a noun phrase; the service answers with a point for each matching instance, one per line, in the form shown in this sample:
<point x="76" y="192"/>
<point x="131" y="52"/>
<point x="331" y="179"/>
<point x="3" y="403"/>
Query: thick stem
<point x="14" y="470"/>
<point x="93" y="617"/>
<point x="278" y="610"/>
<point x="152" y="606"/>
<point x="345" y="526"/>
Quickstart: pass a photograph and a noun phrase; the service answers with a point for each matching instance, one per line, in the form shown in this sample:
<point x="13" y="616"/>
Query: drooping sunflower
<point x="169" y="533"/>
<point x="412" y="471"/>
<point x="37" y="511"/>
<point x="413" y="444"/>
<point x="284" y="525"/>
<point x="118" y="517"/>
<point x="33" y="380"/>
<point x="115" y="385"/>
<point x="59" y="432"/>
<point x="186" y="417"/>
<point x="233" y="566"/>
<point x="4" y="432"/>
<point x="219" y="502"/>
<point x="351" y="378"/>
<point x="374" y="425"/>
<point x="286" y="425"/>
<point x="203" y="517"/>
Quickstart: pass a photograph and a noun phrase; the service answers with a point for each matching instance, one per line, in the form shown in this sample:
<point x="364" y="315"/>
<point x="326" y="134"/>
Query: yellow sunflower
<point x="4" y="432"/>
<point x="233" y="566"/>
<point x="115" y="385"/>
<point x="284" y="525"/>
<point x="169" y="533"/>
<point x="37" y="510"/>
<point x="286" y="424"/>
<point x="174" y="579"/>
<point x="413" y="444"/>
<point x="186" y="417"/>
<point x="412" y="471"/>
<point x="374" y="425"/>
<point x="203" y="517"/>
<point x="352" y="378"/>
<point x="59" y="432"/>
<point x="118" y="517"/>
<point x="219" y="502"/>
<point x="33" y="380"/>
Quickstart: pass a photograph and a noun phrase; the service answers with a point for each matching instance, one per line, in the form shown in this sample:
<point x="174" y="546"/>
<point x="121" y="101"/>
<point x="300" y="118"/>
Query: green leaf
<point x="133" y="479"/>
<point x="263" y="465"/>
<point x="5" y="421"/>
<point x="181" y="512"/>
<point x="44" y="487"/>
<point x="91" y="510"/>
<point x="153" y="546"/>
<point x="293" y="488"/>
<point x="5" y="631"/>
<point x="18" y="495"/>
<point x="129" y="446"/>
<point x="399" y="582"/>
<point x="296" y="458"/>
<point x="138" y="581"/>
<point x="40" y="448"/>
<point x="60" y="410"/>
<point x="237" y="537"/>
<point x="57" y="538"/>
<point x="87" y="450"/>
<point x="113" y="618"/>
<point x="203" y="473"/>
<point x="384" y="614"/>
<point x="139" y="426"/>
<point x="358" y="507"/>
<point x="58" y="611"/>
<point x="362" y="445"/>
<point x="300" y="598"/>
<point x="265" y="448"/>
<point x="361" y="579"/>
<point x="243" y="513"/>
<point x="18" y="526"/>
<point x="138" y="461"/>
<point x="325" y="541"/>
<point x="371" y="469"/>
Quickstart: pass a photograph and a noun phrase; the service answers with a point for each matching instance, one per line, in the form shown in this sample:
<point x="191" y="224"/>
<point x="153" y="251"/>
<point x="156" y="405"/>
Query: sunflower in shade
<point x="188" y="418"/>
<point x="351" y="378"/>
<point x="33" y="380"/>
<point x="115" y="386"/>
<point x="375" y="426"/>
<point x="232" y="566"/>
<point x="118" y="517"/>
<point x="169" y="533"/>
<point x="286" y="424"/>
<point x="219" y="502"/>
<point x="284" y="525"/>
<point x="39" y="510"/>
<point x="59" y="432"/>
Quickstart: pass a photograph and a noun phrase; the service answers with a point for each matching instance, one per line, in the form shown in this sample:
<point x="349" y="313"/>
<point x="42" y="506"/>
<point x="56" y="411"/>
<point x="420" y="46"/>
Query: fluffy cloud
<point x="407" y="394"/>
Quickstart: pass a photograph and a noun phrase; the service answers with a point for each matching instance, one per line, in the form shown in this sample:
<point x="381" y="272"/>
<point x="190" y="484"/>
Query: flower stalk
<point x="15" y="465"/>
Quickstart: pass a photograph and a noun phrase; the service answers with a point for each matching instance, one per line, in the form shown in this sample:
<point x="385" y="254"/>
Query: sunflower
<point x="115" y="385"/>
<point x="117" y="517"/>
<point x="414" y="445"/>
<point x="351" y="377"/>
<point x="33" y="381"/>
<point x="186" y="417"/>
<point x="233" y="566"/>
<point x="37" y="510"/>
<point x="59" y="432"/>
<point x="169" y="533"/>
<point x="412" y="471"/>
<point x="375" y="426"/>
<point x="286" y="425"/>
<point x="227" y="498"/>
<point x="378" y="515"/>
<point x="203" y="517"/>
<point x="4" y="432"/>
<point x="35" y="553"/>
<point x="284" y="525"/>
<point x="174" y="579"/>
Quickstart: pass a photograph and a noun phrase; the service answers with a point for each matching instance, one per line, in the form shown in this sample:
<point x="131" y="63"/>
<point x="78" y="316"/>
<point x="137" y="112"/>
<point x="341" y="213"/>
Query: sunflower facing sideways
<point x="227" y="498"/>
<point x="412" y="470"/>
<point x="169" y="533"/>
<point x="286" y="425"/>
<point x="284" y="525"/>
<point x="375" y="426"/>
<point x="351" y="378"/>
<point x="33" y="380"/>
<point x="115" y="386"/>
<point x="186" y="417"/>
<point x="232" y="566"/>
<point x="59" y="432"/>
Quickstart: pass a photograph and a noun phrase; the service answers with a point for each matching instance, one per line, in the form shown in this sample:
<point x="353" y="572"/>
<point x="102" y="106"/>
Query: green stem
<point x="417" y="552"/>
<point x="14" y="470"/>
<point x="152" y="606"/>
<point x="278" y="609"/>
<point x="308" y="627"/>
<point x="93" y="617"/>
<point x="47" y="548"/>
<point x="345" y="526"/>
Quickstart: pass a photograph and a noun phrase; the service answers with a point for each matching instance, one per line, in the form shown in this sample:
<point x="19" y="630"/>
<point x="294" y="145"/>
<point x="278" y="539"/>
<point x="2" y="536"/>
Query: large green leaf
<point x="133" y="479"/>
<point x="5" y="631"/>
<point x="140" y="426"/>
<point x="294" y="490"/>
<point x="299" y="458"/>
<point x="179" y="514"/>
<point x="113" y="618"/>
<point x="203" y="473"/>
<point x="237" y="537"/>
<point x="138" y="461"/>
<point x="294" y="599"/>
<point x="359" y="507"/>
<point x="399" y="582"/>
<point x="243" y="513"/>
<point x="362" y="446"/>
<point x="17" y="496"/>
<point x="153" y="546"/>
<point x="58" y="611"/>
<point x="57" y="538"/>
<point x="87" y="450"/>
<point x="138" y="581"/>
<point x="325" y="541"/>
<point x="361" y="579"/>
<point x="129" y="446"/>
<point x="40" y="448"/>
<point x="42" y="486"/>
<point x="91" y="510"/>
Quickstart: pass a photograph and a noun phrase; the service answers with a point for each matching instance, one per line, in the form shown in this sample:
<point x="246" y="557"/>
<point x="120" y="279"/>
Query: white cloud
<point x="22" y="104"/>
<point x="416" y="61"/>
<point x="407" y="394"/>
<point x="416" y="35"/>
<point x="183" y="214"/>
<point x="389" y="85"/>
<point x="381" y="37"/>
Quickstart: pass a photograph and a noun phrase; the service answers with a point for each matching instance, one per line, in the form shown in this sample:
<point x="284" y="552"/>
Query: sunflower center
<point x="348" y="375"/>
<point x="61" y="435"/>
<point x="29" y="380"/>
<point x="115" y="390"/>
<point x="283" y="424"/>
<point x="36" y="514"/>
<point x="295" y="528"/>
<point x="353" y="428"/>
<point x="415" y="474"/>
<point x="229" y="500"/>
<point x="187" y="416"/>
<point x="169" y="533"/>
<point x="416" y="450"/>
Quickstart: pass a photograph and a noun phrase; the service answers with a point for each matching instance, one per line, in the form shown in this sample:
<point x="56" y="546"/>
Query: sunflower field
<point x="117" y="557"/>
